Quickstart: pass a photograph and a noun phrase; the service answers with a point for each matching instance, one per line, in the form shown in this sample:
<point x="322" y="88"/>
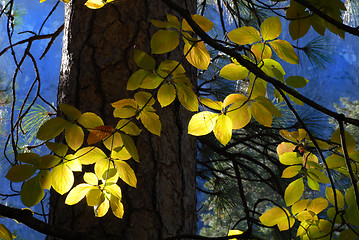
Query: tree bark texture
<point x="96" y="64"/>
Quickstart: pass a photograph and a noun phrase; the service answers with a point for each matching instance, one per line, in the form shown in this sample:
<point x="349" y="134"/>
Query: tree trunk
<point x="96" y="64"/>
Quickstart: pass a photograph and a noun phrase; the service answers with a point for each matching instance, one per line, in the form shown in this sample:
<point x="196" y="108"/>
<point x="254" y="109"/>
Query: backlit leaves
<point x="294" y="191"/>
<point x="244" y="35"/>
<point x="277" y="216"/>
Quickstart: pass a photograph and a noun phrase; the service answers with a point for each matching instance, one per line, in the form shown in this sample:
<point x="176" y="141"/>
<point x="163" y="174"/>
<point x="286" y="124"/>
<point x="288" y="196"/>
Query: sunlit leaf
<point x="261" y="114"/>
<point x="313" y="184"/>
<point x="270" y="67"/>
<point x="94" y="197"/>
<point x="78" y="193"/>
<point x="126" y="173"/>
<point x="152" y="122"/>
<point x="102" y="209"/>
<point x="90" y="120"/>
<point x="223" y="129"/>
<point x="197" y="54"/>
<point x="300" y="206"/>
<point x="128" y="127"/>
<point x="240" y="115"/>
<point x="130" y="146"/>
<point x="317" y="205"/>
<point x="276" y="215"/>
<point x="31" y="192"/>
<point x="261" y="51"/>
<point x="216" y="105"/>
<point x="74" y="136"/>
<point x="166" y="94"/>
<point x="271" y="28"/>
<point x="122" y="154"/>
<point x="114" y="141"/>
<point x="151" y="81"/>
<point x="233" y="72"/>
<point x="202" y="21"/>
<point x="291" y="171"/>
<point x="349" y="140"/>
<point x="329" y="193"/>
<point x="285" y="147"/>
<point x="52" y="128"/>
<point x="62" y="178"/>
<point x="136" y="79"/>
<point x="265" y="102"/>
<point x="317" y="175"/>
<point x="5" y="233"/>
<point x="187" y="98"/>
<point x="164" y="41"/>
<point x="294" y="191"/>
<point x="95" y="4"/>
<point x="244" y="35"/>
<point x="170" y="66"/>
<point x="90" y="155"/>
<point x="101" y="167"/>
<point x="116" y="207"/>
<point x="20" y="173"/>
<point x="144" y="98"/>
<point x="202" y="123"/>
<point x="290" y="158"/>
<point x="285" y="51"/>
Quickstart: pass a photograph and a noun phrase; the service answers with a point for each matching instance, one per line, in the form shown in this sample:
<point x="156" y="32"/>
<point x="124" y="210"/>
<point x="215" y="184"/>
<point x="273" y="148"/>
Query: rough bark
<point x="96" y="64"/>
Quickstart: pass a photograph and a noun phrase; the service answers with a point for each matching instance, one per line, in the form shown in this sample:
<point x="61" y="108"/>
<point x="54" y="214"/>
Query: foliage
<point x="88" y="141"/>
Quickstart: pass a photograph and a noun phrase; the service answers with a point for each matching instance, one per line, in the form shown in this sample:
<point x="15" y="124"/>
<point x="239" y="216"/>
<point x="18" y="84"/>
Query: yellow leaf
<point x="128" y="127"/>
<point x="78" y="193"/>
<point x="202" y="123"/>
<point x="261" y="114"/>
<point x="95" y="4"/>
<point x="126" y="173"/>
<point x="90" y="155"/>
<point x="261" y="51"/>
<point x="291" y="171"/>
<point x="197" y="54"/>
<point x="294" y="191"/>
<point x="70" y="111"/>
<point x="300" y="206"/>
<point x="223" y="129"/>
<point x="90" y="120"/>
<point x="291" y="158"/>
<point x="271" y="28"/>
<point x="90" y="178"/>
<point x="152" y="122"/>
<point x="166" y="94"/>
<point x="234" y="98"/>
<point x="122" y="154"/>
<point x="240" y="115"/>
<point x="276" y="216"/>
<point x="203" y="22"/>
<point x="244" y="35"/>
<point x="329" y="193"/>
<point x="144" y="98"/>
<point x="5" y="233"/>
<point x="94" y="197"/>
<point x="164" y="41"/>
<point x="74" y="136"/>
<point x="136" y="79"/>
<point x="170" y="66"/>
<point x="270" y="67"/>
<point x="216" y="105"/>
<point x="31" y="192"/>
<point x="102" y="209"/>
<point x="233" y="233"/>
<point x="187" y="97"/>
<point x="172" y="22"/>
<point x="62" y="178"/>
<point x="151" y="81"/>
<point x="116" y="207"/>
<point x="114" y="141"/>
<point x="101" y="167"/>
<point x="317" y="205"/>
<point x="20" y="173"/>
<point x="114" y="190"/>
<point x="285" y="51"/>
<point x="349" y="141"/>
<point x="234" y="72"/>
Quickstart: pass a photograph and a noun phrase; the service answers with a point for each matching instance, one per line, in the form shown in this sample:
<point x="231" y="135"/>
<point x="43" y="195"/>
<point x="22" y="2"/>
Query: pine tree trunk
<point x="96" y="64"/>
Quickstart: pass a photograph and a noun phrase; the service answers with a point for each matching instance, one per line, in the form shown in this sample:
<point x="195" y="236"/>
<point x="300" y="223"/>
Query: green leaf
<point x="166" y="94"/>
<point x="78" y="193"/>
<point x="58" y="148"/>
<point x="314" y="185"/>
<point x="144" y="60"/>
<point x="298" y="28"/>
<point x="294" y="191"/>
<point x="45" y="179"/>
<point x="234" y="72"/>
<point x="291" y="171"/>
<point x="31" y="192"/>
<point x="261" y="114"/>
<point x="317" y="175"/>
<point x="223" y="129"/>
<point x="203" y="22"/>
<point x="285" y="51"/>
<point x="62" y="178"/>
<point x="30" y="158"/>
<point x="90" y="155"/>
<point x="74" y="136"/>
<point x="265" y="102"/>
<point x="349" y="140"/>
<point x="197" y="54"/>
<point x="329" y="193"/>
<point x="202" y="123"/>
<point x="348" y="234"/>
<point x="52" y="128"/>
<point x="290" y="158"/>
<point x="187" y="97"/>
<point x="296" y="81"/>
<point x="130" y="146"/>
<point x="318" y="24"/>
<point x="90" y="120"/>
<point x="240" y="115"/>
<point x="244" y="35"/>
<point x="164" y="41"/>
<point x="152" y="122"/>
<point x="70" y="111"/>
<point x="271" y="28"/>
<point x="48" y="161"/>
<point x="126" y="173"/>
<point x="136" y="79"/>
<point x="20" y="173"/>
